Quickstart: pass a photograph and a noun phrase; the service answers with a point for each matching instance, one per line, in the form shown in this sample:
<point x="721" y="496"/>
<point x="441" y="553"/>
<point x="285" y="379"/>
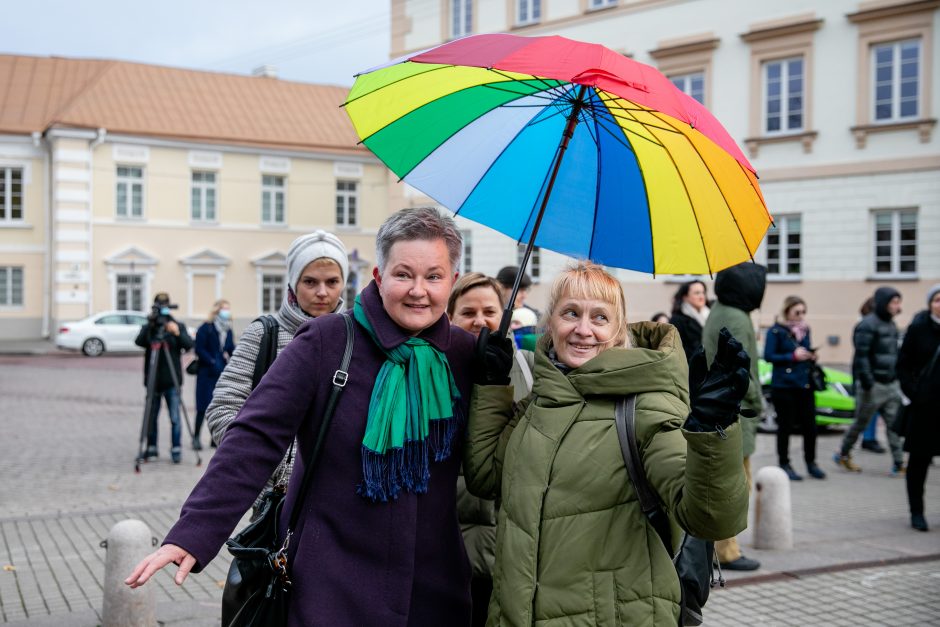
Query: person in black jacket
<point x="876" y="382"/>
<point x="689" y="313"/>
<point x="919" y="374"/>
<point x="789" y="349"/>
<point x="178" y="341"/>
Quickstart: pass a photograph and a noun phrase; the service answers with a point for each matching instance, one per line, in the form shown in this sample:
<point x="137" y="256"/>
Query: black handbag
<point x="257" y="589"/>
<point x="817" y="377"/>
<point x="694" y="558"/>
<point x="193" y="366"/>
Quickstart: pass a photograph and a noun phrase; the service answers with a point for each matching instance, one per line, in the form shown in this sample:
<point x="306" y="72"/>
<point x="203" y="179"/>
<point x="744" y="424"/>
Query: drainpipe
<point x="47" y="299"/>
<point x="99" y="139"/>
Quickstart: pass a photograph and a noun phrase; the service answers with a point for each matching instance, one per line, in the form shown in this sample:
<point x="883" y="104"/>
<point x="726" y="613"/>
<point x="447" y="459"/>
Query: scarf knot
<point x="412" y="415"/>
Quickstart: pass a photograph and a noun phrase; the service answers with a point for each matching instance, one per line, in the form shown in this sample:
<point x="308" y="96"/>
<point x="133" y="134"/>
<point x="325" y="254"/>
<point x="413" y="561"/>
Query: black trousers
<point x="480" y="590"/>
<point x="796" y="408"/>
<point x="917" y="465"/>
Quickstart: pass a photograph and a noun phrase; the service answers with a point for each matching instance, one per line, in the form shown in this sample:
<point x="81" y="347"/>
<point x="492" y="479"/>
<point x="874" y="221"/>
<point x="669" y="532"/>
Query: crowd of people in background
<point x="517" y="413"/>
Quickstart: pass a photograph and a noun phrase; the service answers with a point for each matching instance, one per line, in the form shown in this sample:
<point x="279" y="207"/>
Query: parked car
<point x="835" y="405"/>
<point x="106" y="331"/>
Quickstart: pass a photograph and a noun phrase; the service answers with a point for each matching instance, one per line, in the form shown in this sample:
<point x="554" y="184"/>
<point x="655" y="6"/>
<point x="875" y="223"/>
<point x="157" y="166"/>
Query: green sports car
<point x="834" y="406"/>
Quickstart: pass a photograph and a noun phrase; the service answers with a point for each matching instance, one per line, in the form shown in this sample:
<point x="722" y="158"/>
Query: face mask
<point x="225" y="314"/>
<point x="164" y="311"/>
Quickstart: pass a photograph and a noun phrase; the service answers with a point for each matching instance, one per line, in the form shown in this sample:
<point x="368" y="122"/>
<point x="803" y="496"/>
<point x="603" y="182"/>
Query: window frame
<point x="783" y="232"/>
<point x="274" y="189"/>
<point x="882" y="25"/>
<point x="203" y="187"/>
<point x="463" y="7"/>
<point x="129" y="287"/>
<point x="772" y="41"/>
<point x="264" y="286"/>
<point x="534" y="269"/>
<point x="8" y="302"/>
<point x="466" y="251"/>
<point x="599" y="5"/>
<point x="784" y="96"/>
<point x="129" y="181"/>
<point x="347" y="195"/>
<point x="687" y="78"/>
<point x="529" y="5"/>
<point x="6" y="199"/>
<point x="896" y="80"/>
<point x="687" y="56"/>
<point x="895" y="243"/>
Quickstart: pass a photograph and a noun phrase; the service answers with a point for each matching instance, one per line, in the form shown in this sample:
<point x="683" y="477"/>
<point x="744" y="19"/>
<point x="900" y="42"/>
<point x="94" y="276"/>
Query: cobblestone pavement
<point x="70" y="428"/>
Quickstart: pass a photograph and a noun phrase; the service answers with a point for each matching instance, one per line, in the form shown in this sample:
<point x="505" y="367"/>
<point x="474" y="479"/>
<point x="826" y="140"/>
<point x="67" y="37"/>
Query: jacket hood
<point x="741" y="286"/>
<point x="655" y="362"/>
<point x="883" y="296"/>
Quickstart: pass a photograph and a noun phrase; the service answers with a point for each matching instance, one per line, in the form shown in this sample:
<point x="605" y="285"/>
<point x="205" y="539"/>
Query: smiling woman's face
<point x="416" y="283"/>
<point x="581" y="329"/>
<point x="477" y="308"/>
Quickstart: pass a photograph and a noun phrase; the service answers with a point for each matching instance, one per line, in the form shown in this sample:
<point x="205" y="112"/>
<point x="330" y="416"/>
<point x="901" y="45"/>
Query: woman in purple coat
<point x="378" y="542"/>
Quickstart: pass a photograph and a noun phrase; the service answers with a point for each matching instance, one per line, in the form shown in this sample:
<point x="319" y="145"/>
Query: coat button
<point x="789" y="370"/>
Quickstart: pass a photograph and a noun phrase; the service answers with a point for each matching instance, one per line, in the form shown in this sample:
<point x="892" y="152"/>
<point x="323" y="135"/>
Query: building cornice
<point x="892" y="10"/>
<point x="799" y="24"/>
<point x="687" y="47"/>
<point x="862" y="168"/>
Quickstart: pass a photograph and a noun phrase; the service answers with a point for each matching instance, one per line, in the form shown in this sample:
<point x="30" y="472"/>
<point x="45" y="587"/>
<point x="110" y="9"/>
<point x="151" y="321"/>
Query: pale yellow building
<point x="119" y="180"/>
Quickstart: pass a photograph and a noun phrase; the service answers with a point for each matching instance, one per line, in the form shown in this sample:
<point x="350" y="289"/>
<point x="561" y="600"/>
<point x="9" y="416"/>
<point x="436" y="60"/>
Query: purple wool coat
<point x="353" y="562"/>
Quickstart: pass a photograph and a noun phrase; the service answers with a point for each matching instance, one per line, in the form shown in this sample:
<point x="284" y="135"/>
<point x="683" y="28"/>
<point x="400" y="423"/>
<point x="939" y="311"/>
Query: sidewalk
<point x="27" y="347"/>
<point x="70" y="428"/>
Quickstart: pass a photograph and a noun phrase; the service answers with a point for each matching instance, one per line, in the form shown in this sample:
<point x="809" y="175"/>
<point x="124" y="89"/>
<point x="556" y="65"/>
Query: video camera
<point x="160" y="313"/>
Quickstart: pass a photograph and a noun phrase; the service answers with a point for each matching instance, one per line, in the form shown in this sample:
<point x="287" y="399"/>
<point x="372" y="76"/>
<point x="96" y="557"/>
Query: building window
<point x="352" y="288"/>
<point x="11" y="286"/>
<point x="130" y="192"/>
<point x="272" y="292"/>
<point x="896" y="78"/>
<point x="347" y="203"/>
<point x="461" y="12"/>
<point x="534" y="269"/>
<point x="11" y="194"/>
<point x="528" y="11"/>
<point x="896" y="242"/>
<point x="130" y="292"/>
<point x="784" y="247"/>
<point x="203" y="196"/>
<point x="272" y="199"/>
<point x="466" y="257"/>
<point x="783" y="95"/>
<point x="600" y="4"/>
<point x="692" y="84"/>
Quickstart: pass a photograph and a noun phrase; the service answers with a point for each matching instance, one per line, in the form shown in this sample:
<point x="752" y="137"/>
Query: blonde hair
<point x="216" y="308"/>
<point x="589" y="280"/>
<point x="471" y="281"/>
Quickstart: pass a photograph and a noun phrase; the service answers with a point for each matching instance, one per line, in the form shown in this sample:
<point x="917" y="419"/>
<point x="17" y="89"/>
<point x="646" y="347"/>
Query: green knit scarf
<point x="413" y="407"/>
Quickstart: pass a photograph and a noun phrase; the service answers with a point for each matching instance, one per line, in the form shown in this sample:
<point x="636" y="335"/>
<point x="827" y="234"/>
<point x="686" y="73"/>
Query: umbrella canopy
<point x="649" y="181"/>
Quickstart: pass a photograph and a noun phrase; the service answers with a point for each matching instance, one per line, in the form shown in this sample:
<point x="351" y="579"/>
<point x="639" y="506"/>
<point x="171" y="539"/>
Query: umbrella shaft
<point x="562" y="147"/>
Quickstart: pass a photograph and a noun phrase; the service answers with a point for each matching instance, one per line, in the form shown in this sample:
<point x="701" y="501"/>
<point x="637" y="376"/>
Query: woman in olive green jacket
<point x="573" y="546"/>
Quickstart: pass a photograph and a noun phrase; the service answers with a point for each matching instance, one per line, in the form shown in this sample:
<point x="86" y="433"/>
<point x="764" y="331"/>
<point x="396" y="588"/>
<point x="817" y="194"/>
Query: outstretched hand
<point x="716" y="392"/>
<point x="493" y="358"/>
<point x="166" y="554"/>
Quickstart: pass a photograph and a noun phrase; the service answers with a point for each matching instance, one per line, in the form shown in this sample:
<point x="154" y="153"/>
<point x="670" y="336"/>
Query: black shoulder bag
<point x="258" y="585"/>
<point x="694" y="558"/>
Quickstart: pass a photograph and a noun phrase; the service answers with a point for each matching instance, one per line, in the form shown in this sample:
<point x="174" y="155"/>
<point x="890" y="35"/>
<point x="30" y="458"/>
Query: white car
<point x="106" y="331"/>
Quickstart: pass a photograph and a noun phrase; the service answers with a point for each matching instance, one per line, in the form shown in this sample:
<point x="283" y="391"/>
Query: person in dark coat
<point x="161" y="325"/>
<point x="789" y="348"/>
<point x="919" y="374"/>
<point x="689" y="313"/>
<point x="368" y="549"/>
<point x="214" y="346"/>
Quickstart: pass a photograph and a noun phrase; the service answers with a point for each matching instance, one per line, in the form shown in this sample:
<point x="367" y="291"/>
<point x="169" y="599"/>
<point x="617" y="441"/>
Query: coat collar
<point x="389" y="333"/>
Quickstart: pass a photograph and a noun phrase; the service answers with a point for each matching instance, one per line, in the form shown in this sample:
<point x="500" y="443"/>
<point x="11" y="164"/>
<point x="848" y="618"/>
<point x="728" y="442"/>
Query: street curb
<point x="822" y="570"/>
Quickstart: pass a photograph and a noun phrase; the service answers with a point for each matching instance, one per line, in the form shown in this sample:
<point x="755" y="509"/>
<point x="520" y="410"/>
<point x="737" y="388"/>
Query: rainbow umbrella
<point x="565" y="145"/>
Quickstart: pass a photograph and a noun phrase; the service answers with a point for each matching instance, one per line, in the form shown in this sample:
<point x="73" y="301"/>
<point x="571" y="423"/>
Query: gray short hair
<point x="419" y="223"/>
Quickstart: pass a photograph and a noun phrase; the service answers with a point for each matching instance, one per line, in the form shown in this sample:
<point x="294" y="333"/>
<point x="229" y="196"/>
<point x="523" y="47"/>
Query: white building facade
<point x="834" y="103"/>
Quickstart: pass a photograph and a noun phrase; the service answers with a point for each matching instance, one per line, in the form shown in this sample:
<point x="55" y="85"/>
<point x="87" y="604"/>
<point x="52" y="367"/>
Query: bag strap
<point x="625" y="414"/>
<point x="267" y="351"/>
<point x="340" y="377"/>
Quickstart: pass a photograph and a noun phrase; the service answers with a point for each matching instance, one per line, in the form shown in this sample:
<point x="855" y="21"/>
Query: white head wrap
<point x="313" y="246"/>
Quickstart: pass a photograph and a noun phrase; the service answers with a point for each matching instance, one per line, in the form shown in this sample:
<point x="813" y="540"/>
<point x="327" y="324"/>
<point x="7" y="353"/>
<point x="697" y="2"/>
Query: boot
<point x="919" y="522"/>
<point x="846" y="462"/>
<point x="787" y="468"/>
<point x="815" y="471"/>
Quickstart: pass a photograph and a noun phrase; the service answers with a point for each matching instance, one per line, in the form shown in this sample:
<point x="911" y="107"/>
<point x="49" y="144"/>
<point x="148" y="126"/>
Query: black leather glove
<point x="716" y="392"/>
<point x="493" y="359"/>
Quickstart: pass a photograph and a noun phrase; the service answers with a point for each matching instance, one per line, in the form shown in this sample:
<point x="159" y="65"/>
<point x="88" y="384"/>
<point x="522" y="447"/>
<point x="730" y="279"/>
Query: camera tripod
<point x="159" y="346"/>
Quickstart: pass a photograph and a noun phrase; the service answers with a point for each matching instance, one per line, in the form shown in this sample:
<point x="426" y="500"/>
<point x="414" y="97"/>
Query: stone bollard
<point x="773" y="520"/>
<point x="129" y="541"/>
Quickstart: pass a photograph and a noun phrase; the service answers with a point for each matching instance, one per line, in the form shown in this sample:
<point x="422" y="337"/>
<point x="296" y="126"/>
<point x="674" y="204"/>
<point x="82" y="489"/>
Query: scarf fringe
<point x="385" y="476"/>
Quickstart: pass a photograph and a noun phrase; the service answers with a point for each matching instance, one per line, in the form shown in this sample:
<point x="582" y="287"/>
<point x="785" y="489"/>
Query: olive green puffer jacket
<point x="573" y="546"/>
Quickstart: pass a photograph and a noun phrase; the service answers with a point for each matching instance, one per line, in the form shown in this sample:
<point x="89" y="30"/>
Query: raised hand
<point x="716" y="392"/>
<point x="166" y="554"/>
<point x="493" y="359"/>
